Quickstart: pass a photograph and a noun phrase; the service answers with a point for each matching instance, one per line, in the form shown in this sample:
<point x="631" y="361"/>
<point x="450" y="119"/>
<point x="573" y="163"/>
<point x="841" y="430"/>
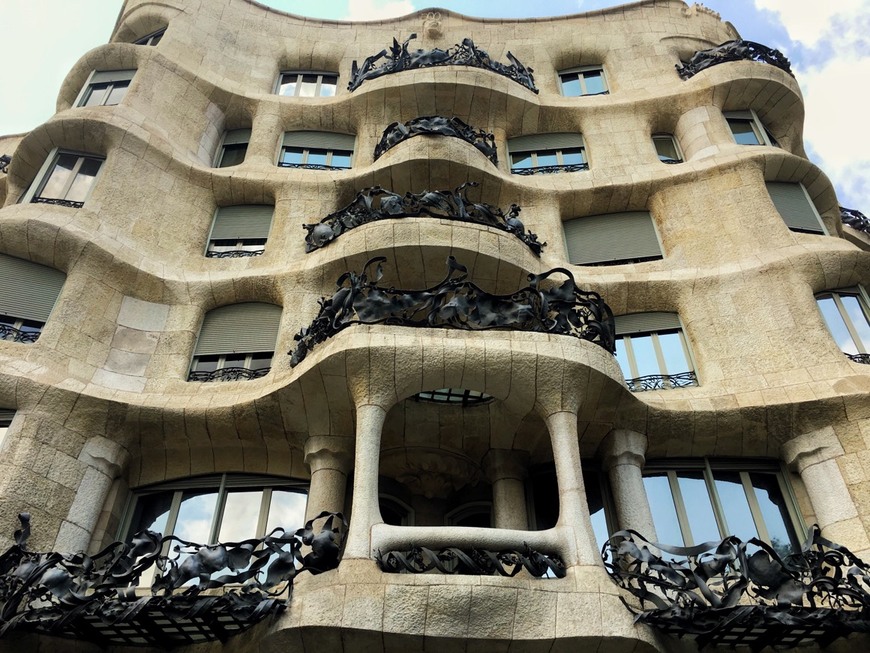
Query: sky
<point x="828" y="43"/>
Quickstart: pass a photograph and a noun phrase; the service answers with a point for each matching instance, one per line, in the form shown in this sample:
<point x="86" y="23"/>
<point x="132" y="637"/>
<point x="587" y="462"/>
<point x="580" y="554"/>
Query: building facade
<point x="467" y="297"/>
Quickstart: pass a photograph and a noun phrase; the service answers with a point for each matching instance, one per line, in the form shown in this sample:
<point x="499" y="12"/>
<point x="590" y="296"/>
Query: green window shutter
<point x="319" y="140"/>
<point x="537" y="142"/>
<point x="242" y="221"/>
<point x="626" y="325"/>
<point x="237" y="137"/>
<point x="611" y="238"/>
<point x="102" y="76"/>
<point x="795" y="207"/>
<point x="243" y="328"/>
<point x="28" y="290"/>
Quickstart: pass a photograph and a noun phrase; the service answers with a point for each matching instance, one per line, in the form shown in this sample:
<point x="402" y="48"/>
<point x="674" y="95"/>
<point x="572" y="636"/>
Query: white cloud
<point x="807" y="21"/>
<point x="377" y="9"/>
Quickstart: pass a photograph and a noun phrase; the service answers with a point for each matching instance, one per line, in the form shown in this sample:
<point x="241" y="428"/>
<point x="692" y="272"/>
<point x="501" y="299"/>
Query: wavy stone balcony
<point x="396" y="133"/>
<point x="736" y="50"/>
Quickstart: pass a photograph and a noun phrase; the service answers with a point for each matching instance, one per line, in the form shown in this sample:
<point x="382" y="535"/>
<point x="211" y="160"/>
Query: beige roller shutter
<point x="28" y="290"/>
<point x="537" y="142"/>
<point x="611" y="238"/>
<point x="244" y="328"/>
<point x="242" y="221"/>
<point x="646" y="323"/>
<point x="795" y="207"/>
<point x="102" y="76"/>
<point x="319" y="140"/>
<point x="237" y="137"/>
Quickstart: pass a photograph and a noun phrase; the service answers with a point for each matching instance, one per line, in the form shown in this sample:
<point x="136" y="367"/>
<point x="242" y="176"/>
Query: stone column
<point x="573" y="508"/>
<point x="329" y="459"/>
<point x="366" y="513"/>
<point x="507" y="471"/>
<point x="624" y="455"/>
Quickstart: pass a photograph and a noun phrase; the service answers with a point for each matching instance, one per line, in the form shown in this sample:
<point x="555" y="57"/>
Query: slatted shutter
<point x="537" y="142"/>
<point x="102" y="76"/>
<point x="612" y="238"/>
<point x="6" y="415"/>
<point x="241" y="328"/>
<point x="28" y="290"/>
<point x="319" y="140"/>
<point x="242" y="221"/>
<point x="795" y="207"/>
<point x="237" y="137"/>
<point x="627" y="325"/>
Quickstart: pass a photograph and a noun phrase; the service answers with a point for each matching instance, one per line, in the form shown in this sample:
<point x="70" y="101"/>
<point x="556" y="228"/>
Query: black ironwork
<point x="855" y="219"/>
<point x="58" y="202"/>
<point x="670" y="161"/>
<point x="543" y="306"/>
<point x="454" y="396"/>
<point x="311" y="166"/>
<point x="662" y="381"/>
<point x="548" y="170"/>
<point x="376" y="203"/>
<point x="8" y="332"/>
<point x="398" y="58"/>
<point x="859" y="358"/>
<point x="476" y="562"/>
<point x="736" y="50"/>
<point x="94" y="598"/>
<point x="437" y="126"/>
<point x="228" y="374"/>
<point x="734" y="592"/>
<point x="5" y="160"/>
<point x="235" y="253"/>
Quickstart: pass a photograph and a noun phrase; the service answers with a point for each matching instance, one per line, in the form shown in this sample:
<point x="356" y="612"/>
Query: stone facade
<point x="102" y="401"/>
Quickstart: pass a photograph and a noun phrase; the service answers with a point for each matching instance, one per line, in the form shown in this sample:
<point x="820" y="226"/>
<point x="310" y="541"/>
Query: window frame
<point x="578" y="72"/>
<point x="560" y="162"/>
<point x="224" y="145"/>
<point x="822" y="231"/>
<point x="570" y="239"/>
<point x="33" y="193"/>
<point x="258" y="373"/>
<point x="863" y="299"/>
<point x="667" y="383"/>
<point x="660" y="137"/>
<point x="7" y="415"/>
<point x="306" y="151"/>
<point x="148" y="39"/>
<point x="320" y="74"/>
<point x="235" y="247"/>
<point x="18" y="325"/>
<point x="120" y="78"/>
<point x="762" y="133"/>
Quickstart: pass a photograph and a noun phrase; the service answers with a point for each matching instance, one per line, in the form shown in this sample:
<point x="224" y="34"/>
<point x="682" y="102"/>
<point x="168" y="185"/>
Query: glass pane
<point x="860" y="321"/>
<point x="292" y="155"/>
<point x="308" y="87"/>
<point x="327" y="86"/>
<point x="743" y="132"/>
<point x="595" y="500"/>
<point x="119" y="90"/>
<point x="594" y="82"/>
<point x="521" y="160"/>
<point x="699" y="510"/>
<point x="738" y="517"/>
<point x="152" y="513"/>
<point x="205" y="363"/>
<point x="233" y="155"/>
<point x="570" y="85"/>
<point x="240" y="516"/>
<point x="622" y="358"/>
<point x="288" y="85"/>
<point x="95" y="94"/>
<point x="776" y="517"/>
<point x="84" y="179"/>
<point x="644" y="355"/>
<point x="286" y="511"/>
<point x="234" y="360"/>
<point x="573" y="156"/>
<point x="672" y="350"/>
<point x="261" y="361"/>
<point x="195" y="515"/>
<point x="341" y="159"/>
<point x="547" y="158"/>
<point x="661" y="504"/>
<point x="59" y="176"/>
<point x="155" y="39"/>
<point x="317" y="157"/>
<point x="666" y="148"/>
<point x="836" y="324"/>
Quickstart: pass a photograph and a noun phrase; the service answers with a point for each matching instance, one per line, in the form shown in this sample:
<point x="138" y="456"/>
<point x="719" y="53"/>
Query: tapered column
<point x="366" y="513"/>
<point x="329" y="459"/>
<point x="624" y="455"/>
<point x="507" y="471"/>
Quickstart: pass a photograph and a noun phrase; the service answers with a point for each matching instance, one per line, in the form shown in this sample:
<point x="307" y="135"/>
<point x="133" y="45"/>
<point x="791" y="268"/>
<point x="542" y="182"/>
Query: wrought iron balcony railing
<point x="437" y="126"/>
<point x="662" y="381"/>
<point x="475" y="562"/>
<point x="734" y="592"/>
<point x="399" y="58"/>
<point x="855" y="219"/>
<point x="229" y="374"/>
<point x="376" y="203"/>
<point x="548" y="170"/>
<point x="859" y="358"/>
<point x="95" y="598"/>
<point x="57" y="202"/>
<point x="455" y="303"/>
<point x="737" y="50"/>
<point x="8" y="332"/>
<point x="311" y="166"/>
<point x="5" y="160"/>
<point x="235" y="253"/>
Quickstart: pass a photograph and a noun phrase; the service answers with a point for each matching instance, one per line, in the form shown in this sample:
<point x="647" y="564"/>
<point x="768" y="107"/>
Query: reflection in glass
<point x="547" y="158"/>
<point x="195" y="515"/>
<point x="743" y="131"/>
<point x="774" y="511"/>
<point x="594" y="82"/>
<point x="666" y="148"/>
<point x="522" y="160"/>
<point x="738" y="516"/>
<point x="287" y="511"/>
<point x="239" y="520"/>
<point x="672" y="350"/>
<point x="152" y="513"/>
<point x="59" y="177"/>
<point x="661" y="504"/>
<point x="836" y="324"/>
<point x="573" y="156"/>
<point x="699" y="510"/>
<point x="645" y="355"/>
<point x="571" y="85"/>
<point x="860" y="321"/>
<point x="83" y="180"/>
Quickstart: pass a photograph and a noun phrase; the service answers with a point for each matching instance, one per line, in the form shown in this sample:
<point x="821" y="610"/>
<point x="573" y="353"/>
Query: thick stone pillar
<point x="624" y="455"/>
<point x="366" y="513"/>
<point x="329" y="459"/>
<point x="507" y="471"/>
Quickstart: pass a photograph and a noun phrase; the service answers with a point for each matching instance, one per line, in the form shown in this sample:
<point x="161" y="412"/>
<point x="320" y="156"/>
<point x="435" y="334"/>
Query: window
<point x="233" y="149"/>
<point x="66" y="179"/>
<point x="546" y="153"/>
<point x="307" y="83"/>
<point x="220" y="508"/>
<point x="612" y="239"/>
<point x="747" y="129"/>
<point x="586" y="80"/>
<point x="847" y="314"/>
<point x="652" y="352"/>
<point x="667" y="148"/>
<point x="701" y="500"/>
<point x="28" y="292"/>
<point x="236" y="343"/>
<point x="794" y="205"/>
<point x="239" y="231"/>
<point x="456" y="396"/>
<point x="6" y="416"/>
<point x="151" y="39"/>
<point x="316" y="151"/>
<point x="105" y="88"/>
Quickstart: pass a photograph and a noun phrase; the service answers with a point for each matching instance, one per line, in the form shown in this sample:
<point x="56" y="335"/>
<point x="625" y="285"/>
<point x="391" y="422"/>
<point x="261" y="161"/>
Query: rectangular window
<point x="307" y="84"/>
<point x="586" y="80"/>
<point x="547" y="153"/>
<point x="105" y="88"/>
<point x="316" y="151"/>
<point x="230" y="367"/>
<point x="748" y="129"/>
<point x="794" y="205"/>
<point x="667" y="149"/>
<point x="151" y="39"/>
<point x="234" y="148"/>
<point x="240" y="231"/>
<point x="612" y="239"/>
<point x="28" y="292"/>
<point x="6" y="416"/>
<point x="653" y="352"/>
<point x="847" y="314"/>
<point x="66" y="180"/>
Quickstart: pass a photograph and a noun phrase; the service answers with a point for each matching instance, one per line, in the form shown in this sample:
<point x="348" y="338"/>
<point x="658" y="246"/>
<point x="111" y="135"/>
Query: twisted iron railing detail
<point x="8" y="332"/>
<point x="737" y="50"/>
<point x="311" y="166"/>
<point x="476" y="562"/>
<point x="376" y="203"/>
<point x="235" y="253"/>
<point x="437" y="126"/>
<point x="398" y="58"/>
<point x="228" y="374"/>
<point x="735" y="592"/>
<point x="455" y="303"/>
<point x="548" y="170"/>
<point x="855" y="219"/>
<point x="662" y="381"/>
<point x="58" y="202"/>
<point x="859" y="358"/>
<point x="94" y="598"/>
<point x="5" y="160"/>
